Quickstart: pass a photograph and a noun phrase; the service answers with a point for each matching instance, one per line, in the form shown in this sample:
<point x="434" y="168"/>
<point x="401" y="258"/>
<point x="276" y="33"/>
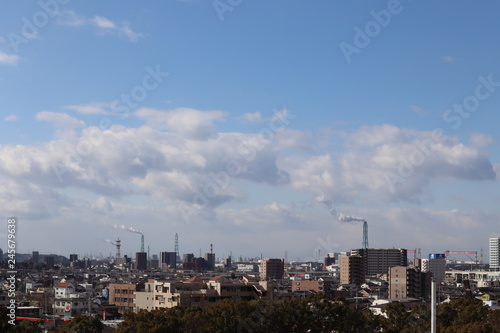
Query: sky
<point x="249" y="125"/>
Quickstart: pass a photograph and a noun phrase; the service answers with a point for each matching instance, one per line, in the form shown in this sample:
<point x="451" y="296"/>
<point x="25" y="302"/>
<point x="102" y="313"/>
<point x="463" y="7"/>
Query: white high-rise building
<point x="495" y="254"/>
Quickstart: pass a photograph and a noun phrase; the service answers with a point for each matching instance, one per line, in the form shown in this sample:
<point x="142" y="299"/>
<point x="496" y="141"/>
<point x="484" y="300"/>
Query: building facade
<point x="406" y="282"/>
<point x="378" y="261"/>
<point x="169" y="259"/>
<point x="494" y="254"/>
<point x="272" y="269"/>
<point x="352" y="270"/>
<point x="436" y="264"/>
<point x="141" y="261"/>
<point x="123" y="295"/>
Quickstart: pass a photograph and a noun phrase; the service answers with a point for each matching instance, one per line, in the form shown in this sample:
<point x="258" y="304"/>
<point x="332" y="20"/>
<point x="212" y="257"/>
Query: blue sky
<point x="256" y="108"/>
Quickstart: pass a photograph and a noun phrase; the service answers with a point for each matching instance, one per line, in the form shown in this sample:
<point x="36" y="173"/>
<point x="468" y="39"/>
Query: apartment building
<point x="195" y="292"/>
<point x="272" y="269"/>
<point x="320" y="286"/>
<point x="352" y="270"/>
<point x="378" y="261"/>
<point x="123" y="295"/>
<point x="436" y="264"/>
<point x="494" y="245"/>
<point x="406" y="282"/>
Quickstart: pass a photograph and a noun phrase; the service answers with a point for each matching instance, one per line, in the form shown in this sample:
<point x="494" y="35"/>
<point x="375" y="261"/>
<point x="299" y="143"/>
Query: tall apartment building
<point x="495" y="254"/>
<point x="168" y="258"/>
<point x="188" y="257"/>
<point x="352" y="270"/>
<point x="272" y="269"/>
<point x="141" y="261"/>
<point x="406" y="282"/>
<point x="210" y="258"/>
<point x="35" y="257"/>
<point x="436" y="264"/>
<point x="378" y="261"/>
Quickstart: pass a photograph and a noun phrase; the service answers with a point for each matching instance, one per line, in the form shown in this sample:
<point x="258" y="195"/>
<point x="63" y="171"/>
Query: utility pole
<point x="433" y="306"/>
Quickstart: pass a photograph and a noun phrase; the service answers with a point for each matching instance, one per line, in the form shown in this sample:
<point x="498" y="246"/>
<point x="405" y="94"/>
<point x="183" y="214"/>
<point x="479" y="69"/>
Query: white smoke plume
<point x="328" y="204"/>
<point x="347" y="218"/>
<point x="131" y="229"/>
<point x="109" y="241"/>
<point x="333" y="211"/>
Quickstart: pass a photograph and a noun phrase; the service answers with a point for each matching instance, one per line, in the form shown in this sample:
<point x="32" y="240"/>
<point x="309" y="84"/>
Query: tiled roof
<point x="194" y="279"/>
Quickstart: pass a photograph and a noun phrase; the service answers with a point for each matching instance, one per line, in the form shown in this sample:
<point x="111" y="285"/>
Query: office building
<point x="378" y="261"/>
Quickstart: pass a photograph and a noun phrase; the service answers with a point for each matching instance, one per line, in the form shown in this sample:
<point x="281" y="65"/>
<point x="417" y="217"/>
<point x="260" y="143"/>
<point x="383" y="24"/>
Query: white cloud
<point x="60" y="119"/>
<point x="70" y="18"/>
<point x="105" y="25"/>
<point x="496" y="167"/>
<point x="129" y="33"/>
<point x="480" y="140"/>
<point x="11" y="118"/>
<point x="90" y="108"/>
<point x="253" y="117"/>
<point x="9" y="59"/>
<point x="371" y="136"/>
<point x="448" y="59"/>
<point x="388" y="163"/>
<point x="189" y="123"/>
<point x="148" y="174"/>
<point x="103" y="22"/>
<point x="418" y="110"/>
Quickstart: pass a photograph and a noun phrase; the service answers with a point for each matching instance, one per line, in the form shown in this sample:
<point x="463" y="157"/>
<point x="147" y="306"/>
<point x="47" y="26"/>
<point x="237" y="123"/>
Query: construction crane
<point x="416" y="254"/>
<point x="447" y="253"/>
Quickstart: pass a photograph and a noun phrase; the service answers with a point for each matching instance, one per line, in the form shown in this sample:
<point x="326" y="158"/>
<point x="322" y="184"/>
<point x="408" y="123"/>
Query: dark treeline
<point x="315" y="314"/>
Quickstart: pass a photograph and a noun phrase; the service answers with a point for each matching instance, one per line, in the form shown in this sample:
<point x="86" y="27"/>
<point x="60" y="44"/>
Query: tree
<point x="82" y="324"/>
<point x="461" y="315"/>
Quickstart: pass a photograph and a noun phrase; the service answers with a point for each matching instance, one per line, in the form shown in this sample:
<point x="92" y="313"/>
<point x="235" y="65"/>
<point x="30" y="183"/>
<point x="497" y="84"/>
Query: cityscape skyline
<point x="262" y="127"/>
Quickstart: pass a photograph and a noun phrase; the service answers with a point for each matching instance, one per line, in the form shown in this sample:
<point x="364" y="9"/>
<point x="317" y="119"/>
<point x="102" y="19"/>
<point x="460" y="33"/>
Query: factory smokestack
<point x="142" y="243"/>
